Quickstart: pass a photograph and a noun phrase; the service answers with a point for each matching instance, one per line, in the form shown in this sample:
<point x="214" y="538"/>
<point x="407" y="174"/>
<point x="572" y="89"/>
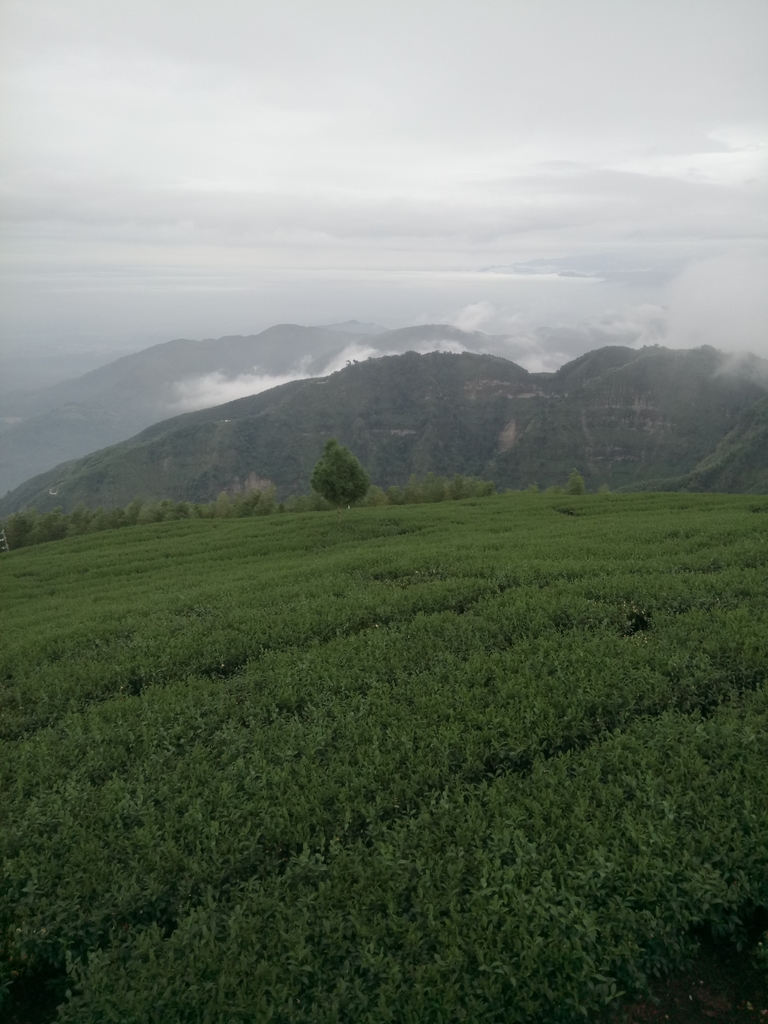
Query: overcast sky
<point x="198" y="168"/>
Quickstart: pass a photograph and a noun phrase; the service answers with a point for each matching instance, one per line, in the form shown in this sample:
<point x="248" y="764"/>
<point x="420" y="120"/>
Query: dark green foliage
<point x="338" y="475"/>
<point x="478" y="761"/>
<point x="431" y="489"/>
<point x="739" y="463"/>
<point x="576" y="483"/>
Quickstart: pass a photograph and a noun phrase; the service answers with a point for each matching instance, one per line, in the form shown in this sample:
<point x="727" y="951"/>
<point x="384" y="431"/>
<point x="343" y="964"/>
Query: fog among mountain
<point x="355" y="327"/>
<point x="488" y="174"/>
<point x="639" y="419"/>
<point x="111" y="403"/>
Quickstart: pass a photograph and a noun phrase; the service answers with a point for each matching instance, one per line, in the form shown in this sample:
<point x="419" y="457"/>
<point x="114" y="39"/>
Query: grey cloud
<point x="610" y="205"/>
<point x="194" y="156"/>
<point x="216" y="388"/>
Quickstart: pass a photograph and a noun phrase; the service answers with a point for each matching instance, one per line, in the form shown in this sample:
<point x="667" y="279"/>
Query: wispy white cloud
<point x="645" y="324"/>
<point x="721" y="302"/>
<point x="352" y="353"/>
<point x="211" y="389"/>
<point x="473" y="317"/>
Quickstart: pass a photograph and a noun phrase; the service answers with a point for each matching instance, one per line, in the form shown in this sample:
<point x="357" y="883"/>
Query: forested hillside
<point x="622" y="417"/>
<point x="40" y="429"/>
<point x="738" y="464"/>
<point x="657" y="415"/>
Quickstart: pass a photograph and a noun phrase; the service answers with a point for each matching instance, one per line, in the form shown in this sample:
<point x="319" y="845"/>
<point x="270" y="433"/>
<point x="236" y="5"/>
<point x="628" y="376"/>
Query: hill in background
<point x="738" y="464"/>
<point x="623" y="417"/>
<point x="40" y="429"/>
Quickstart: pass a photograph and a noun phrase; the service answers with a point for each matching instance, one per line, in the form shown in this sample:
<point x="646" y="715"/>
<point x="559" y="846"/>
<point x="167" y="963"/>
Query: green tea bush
<point x="472" y="760"/>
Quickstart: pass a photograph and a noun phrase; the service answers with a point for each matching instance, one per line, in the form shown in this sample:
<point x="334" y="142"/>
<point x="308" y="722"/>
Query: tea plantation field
<point x="490" y="760"/>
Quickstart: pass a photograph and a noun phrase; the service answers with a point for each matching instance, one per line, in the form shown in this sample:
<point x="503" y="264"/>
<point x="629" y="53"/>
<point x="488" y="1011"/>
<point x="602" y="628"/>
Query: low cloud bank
<point x="215" y="389"/>
<point x="545" y="348"/>
<point x="721" y="302"/>
<point x="473" y="317"/>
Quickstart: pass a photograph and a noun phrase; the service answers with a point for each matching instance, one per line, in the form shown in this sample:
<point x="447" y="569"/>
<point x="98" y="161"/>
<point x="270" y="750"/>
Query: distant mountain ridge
<point x="355" y="327"/>
<point x="38" y="430"/>
<point x="624" y="417"/>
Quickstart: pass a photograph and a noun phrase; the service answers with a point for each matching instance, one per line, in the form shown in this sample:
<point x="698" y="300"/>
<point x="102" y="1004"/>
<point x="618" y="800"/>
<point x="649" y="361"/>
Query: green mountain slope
<point x="400" y="414"/>
<point x="107" y="405"/>
<point x="657" y="415"/>
<point x="622" y="417"/>
<point x="111" y="403"/>
<point x="587" y="367"/>
<point x="740" y="461"/>
<point x="739" y="464"/>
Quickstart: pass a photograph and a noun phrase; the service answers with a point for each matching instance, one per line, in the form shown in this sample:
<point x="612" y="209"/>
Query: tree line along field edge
<point x="28" y="526"/>
<point x="491" y="760"/>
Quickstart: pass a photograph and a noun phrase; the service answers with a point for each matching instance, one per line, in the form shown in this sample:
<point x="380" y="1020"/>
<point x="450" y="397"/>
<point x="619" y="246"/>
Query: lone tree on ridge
<point x="338" y="476"/>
